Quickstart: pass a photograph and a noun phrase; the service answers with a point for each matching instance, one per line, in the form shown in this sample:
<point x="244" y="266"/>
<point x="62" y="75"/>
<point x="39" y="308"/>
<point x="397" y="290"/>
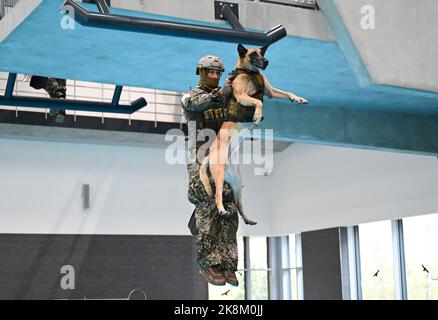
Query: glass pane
<point x="228" y="292"/>
<point x="258" y="253"/>
<point x="259" y="285"/>
<point x="286" y="282"/>
<point x="292" y="251"/>
<point x="376" y="256"/>
<point x="421" y="253"/>
<point x="294" y="284"/>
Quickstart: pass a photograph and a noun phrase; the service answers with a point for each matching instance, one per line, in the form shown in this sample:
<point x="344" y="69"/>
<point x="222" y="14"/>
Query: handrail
<point x="179" y="29"/>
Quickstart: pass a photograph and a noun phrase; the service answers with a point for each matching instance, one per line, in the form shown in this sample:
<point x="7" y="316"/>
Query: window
<point x="252" y="273"/>
<point x="258" y="271"/>
<point x="253" y="279"/>
<point x="291" y="269"/>
<point x="421" y="255"/>
<point x="268" y="268"/>
<point x="376" y="256"/>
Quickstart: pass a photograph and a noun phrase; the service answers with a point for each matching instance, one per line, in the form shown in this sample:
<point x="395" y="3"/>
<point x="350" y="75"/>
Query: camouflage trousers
<point x="216" y="241"/>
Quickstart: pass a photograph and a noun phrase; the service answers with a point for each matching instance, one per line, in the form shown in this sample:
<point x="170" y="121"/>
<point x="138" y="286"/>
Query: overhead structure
<point x="228" y="14"/>
<point x="105" y="19"/>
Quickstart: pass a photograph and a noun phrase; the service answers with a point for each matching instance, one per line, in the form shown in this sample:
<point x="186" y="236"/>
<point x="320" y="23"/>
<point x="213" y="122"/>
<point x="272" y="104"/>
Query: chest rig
<point x="241" y="113"/>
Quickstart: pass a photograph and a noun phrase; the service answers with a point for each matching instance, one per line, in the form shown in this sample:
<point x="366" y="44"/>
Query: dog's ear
<point x="263" y="49"/>
<point x="242" y="50"/>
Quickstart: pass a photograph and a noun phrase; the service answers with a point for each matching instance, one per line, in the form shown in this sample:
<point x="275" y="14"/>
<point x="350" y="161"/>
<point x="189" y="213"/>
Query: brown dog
<point x="246" y="105"/>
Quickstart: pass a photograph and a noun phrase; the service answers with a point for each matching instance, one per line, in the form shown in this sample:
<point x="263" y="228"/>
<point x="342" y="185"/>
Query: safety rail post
<point x="10" y="85"/>
<point x="117" y="95"/>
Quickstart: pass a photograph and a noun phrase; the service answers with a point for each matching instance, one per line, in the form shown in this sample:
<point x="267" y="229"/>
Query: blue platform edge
<point x="317" y="70"/>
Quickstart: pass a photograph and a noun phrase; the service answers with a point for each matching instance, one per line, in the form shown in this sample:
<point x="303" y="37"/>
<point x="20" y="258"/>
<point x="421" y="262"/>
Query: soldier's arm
<point x="200" y="101"/>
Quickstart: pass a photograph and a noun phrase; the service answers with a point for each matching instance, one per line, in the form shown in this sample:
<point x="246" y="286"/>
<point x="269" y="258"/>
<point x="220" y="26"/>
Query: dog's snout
<point x="264" y="64"/>
<point x="258" y="61"/>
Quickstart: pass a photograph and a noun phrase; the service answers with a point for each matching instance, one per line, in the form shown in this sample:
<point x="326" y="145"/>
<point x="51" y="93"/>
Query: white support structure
<point x="354" y="263"/>
<point x="247" y="266"/>
<point x="275" y="256"/>
<point x="299" y="257"/>
<point x="401" y="291"/>
<point x="285" y="279"/>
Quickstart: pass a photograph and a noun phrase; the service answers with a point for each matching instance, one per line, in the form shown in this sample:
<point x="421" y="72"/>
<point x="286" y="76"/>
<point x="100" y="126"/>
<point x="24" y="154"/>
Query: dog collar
<point x="246" y="70"/>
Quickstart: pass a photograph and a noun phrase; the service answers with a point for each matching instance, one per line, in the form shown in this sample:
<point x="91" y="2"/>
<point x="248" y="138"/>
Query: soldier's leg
<point x="196" y="191"/>
<point x="208" y="246"/>
<point x="206" y="218"/>
<point x="216" y="250"/>
<point x="206" y="240"/>
<point x="228" y="239"/>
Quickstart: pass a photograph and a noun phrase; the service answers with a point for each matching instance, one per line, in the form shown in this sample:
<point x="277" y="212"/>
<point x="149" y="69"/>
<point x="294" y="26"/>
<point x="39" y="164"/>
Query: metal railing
<point x="6" y="6"/>
<point x="163" y="106"/>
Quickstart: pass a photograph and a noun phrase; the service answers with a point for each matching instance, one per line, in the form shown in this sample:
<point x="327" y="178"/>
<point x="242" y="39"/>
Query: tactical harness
<point x="211" y="118"/>
<point x="232" y="111"/>
<point x="238" y="112"/>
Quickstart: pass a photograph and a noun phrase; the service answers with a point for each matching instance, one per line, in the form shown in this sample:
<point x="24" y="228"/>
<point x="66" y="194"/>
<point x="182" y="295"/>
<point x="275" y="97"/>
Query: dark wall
<point x="322" y="274"/>
<point x="105" y="267"/>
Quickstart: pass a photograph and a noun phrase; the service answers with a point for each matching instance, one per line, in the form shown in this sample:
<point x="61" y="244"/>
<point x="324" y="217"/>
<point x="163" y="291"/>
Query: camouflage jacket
<point x="206" y="107"/>
<point x="201" y="99"/>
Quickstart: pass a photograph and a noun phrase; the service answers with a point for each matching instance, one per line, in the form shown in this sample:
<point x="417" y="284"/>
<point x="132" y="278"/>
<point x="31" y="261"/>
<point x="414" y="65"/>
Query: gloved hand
<point x="217" y="95"/>
<point x="227" y="90"/>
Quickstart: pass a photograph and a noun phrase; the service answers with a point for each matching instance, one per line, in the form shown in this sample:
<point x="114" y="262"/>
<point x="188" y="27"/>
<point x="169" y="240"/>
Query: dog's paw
<point x="225" y="214"/>
<point x="257" y="118"/>
<point x="250" y="222"/>
<point x="298" y="100"/>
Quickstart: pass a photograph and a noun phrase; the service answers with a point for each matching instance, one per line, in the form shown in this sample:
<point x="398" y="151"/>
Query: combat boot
<point x="230" y="278"/>
<point x="213" y="276"/>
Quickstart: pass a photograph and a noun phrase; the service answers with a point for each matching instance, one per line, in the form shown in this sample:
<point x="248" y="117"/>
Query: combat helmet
<point x="210" y="62"/>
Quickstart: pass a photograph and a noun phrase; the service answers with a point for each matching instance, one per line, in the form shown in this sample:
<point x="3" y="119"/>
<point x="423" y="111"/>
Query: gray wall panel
<point x="321" y="265"/>
<point x="106" y="267"/>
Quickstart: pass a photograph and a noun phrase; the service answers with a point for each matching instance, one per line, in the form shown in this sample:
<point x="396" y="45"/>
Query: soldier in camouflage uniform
<point x="216" y="238"/>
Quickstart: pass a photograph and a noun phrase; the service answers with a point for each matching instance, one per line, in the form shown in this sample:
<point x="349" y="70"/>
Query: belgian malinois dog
<point x="249" y="86"/>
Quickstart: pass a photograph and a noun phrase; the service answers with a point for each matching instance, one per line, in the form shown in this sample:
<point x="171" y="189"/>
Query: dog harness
<point x="241" y="113"/>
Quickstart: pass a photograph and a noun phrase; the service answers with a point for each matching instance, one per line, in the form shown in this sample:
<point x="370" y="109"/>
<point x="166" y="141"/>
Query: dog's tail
<point x="203" y="175"/>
